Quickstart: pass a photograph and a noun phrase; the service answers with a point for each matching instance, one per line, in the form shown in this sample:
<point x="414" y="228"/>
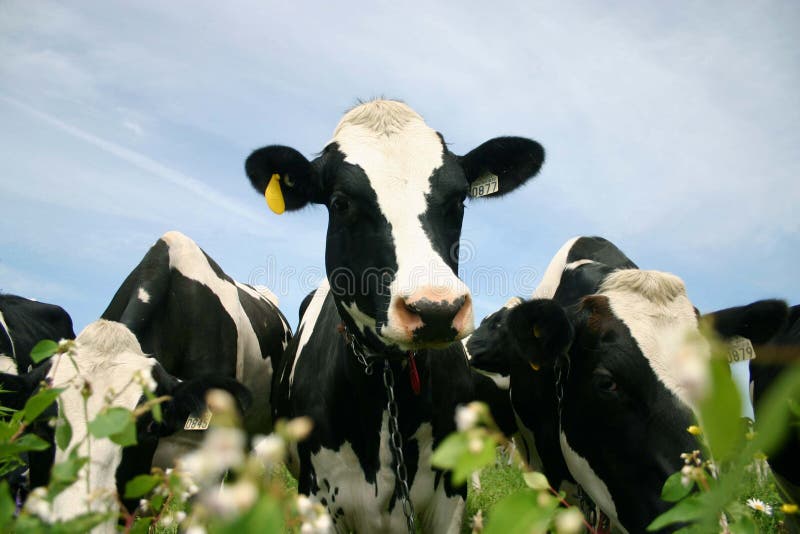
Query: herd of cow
<point x="591" y="373"/>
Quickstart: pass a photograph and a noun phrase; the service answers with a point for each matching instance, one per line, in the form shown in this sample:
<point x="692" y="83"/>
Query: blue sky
<point x="670" y="129"/>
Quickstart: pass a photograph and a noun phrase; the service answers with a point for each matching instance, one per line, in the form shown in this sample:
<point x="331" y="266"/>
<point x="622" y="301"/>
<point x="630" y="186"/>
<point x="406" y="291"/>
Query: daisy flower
<point x="759" y="506"/>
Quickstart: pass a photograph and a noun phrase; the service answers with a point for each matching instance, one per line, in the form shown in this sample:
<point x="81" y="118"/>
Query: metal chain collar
<point x="396" y="445"/>
<point x="395" y="438"/>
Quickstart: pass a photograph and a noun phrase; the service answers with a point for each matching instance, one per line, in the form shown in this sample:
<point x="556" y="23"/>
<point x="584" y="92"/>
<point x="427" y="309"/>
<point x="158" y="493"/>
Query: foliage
<point x="726" y="486"/>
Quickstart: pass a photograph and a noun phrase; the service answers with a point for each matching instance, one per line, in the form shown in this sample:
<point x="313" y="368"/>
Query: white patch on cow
<point x="254" y="371"/>
<point x="500" y="380"/>
<point x="8" y="365"/>
<point x="366" y="504"/>
<point x="7" y="332"/>
<point x="107" y="356"/>
<point x="143" y="295"/>
<point x="399" y="153"/>
<point x="307" y="323"/>
<point x="552" y="275"/>
<point x="361" y="319"/>
<point x="655" y="308"/>
<point x="591" y="483"/>
<point x="513" y="302"/>
<point x="575" y="264"/>
<point x="527" y="441"/>
<point x="260" y="293"/>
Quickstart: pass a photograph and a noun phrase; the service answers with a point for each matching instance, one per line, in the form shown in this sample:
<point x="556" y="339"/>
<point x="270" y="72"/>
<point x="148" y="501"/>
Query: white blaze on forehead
<point x="108" y="356"/>
<point x="399" y="153"/>
<point x="655" y="308"/>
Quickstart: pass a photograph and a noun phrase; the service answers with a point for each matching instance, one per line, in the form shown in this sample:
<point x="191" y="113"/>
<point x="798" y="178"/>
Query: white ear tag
<point x="740" y="349"/>
<point x="198" y="422"/>
<point x="487" y="184"/>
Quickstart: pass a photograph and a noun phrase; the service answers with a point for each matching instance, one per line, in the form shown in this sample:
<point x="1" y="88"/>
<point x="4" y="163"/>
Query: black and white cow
<point x="774" y="355"/>
<point x="23" y="323"/>
<point x="394" y="194"/>
<point x="109" y="358"/>
<point x="601" y="373"/>
<point x="197" y="320"/>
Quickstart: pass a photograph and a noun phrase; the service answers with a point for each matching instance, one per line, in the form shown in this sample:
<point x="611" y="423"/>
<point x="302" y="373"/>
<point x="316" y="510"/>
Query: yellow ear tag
<point x="537" y="332"/>
<point x="274" y="195"/>
<point x="534" y="366"/>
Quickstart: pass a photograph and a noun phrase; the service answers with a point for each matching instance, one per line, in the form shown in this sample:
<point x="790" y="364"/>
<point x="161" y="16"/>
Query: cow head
<point x="624" y="405"/>
<point x="109" y="359"/>
<point x="395" y="197"/>
<point x="627" y="381"/>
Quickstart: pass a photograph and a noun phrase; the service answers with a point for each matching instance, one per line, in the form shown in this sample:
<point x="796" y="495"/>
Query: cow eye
<point x="604" y="381"/>
<point x="340" y="204"/>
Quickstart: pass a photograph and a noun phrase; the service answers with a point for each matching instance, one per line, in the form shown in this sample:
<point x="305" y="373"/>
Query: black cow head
<point x="625" y="389"/>
<point x="395" y="197"/>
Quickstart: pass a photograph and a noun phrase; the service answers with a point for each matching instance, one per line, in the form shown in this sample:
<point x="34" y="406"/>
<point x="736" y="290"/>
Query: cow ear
<point x="540" y="331"/>
<point x="758" y="322"/>
<point x="284" y="176"/>
<point x="189" y="397"/>
<point x="500" y="165"/>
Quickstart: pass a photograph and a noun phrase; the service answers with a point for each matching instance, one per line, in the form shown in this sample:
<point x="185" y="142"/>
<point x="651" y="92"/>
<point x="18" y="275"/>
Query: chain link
<point x="396" y="445"/>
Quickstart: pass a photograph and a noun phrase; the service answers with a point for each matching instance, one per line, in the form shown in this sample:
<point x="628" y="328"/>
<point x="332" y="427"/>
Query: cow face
<point x="625" y="386"/>
<point x="109" y="361"/>
<point x="395" y="197"/>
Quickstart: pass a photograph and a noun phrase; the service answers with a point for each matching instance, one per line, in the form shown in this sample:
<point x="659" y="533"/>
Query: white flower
<point x="222" y="449"/>
<point x="304" y="506"/>
<point x="299" y="428"/>
<point x="220" y="401"/>
<point x="323" y="524"/>
<point x="759" y="506"/>
<point x="307" y="528"/>
<point x="269" y="449"/>
<point x="196" y="529"/>
<point x="475" y="445"/>
<point x="569" y="521"/>
<point x="231" y="499"/>
<point x="180" y="516"/>
<point x="466" y="417"/>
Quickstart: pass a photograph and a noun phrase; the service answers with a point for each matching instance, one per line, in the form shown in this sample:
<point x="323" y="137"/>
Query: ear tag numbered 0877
<point x="740" y="349"/>
<point x="198" y="422"/>
<point x="274" y="195"/>
<point x="485" y="185"/>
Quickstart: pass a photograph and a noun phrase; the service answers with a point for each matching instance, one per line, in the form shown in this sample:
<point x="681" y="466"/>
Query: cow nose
<point x="435" y="318"/>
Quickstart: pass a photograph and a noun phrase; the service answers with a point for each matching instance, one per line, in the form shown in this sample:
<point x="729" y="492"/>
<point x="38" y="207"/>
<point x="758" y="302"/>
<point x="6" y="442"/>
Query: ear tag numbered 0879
<point x="740" y="349"/>
<point x="274" y="195"/>
<point x="198" y="422"/>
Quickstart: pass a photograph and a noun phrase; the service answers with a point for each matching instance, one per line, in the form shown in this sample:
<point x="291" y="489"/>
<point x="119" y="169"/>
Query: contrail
<point x="207" y="193"/>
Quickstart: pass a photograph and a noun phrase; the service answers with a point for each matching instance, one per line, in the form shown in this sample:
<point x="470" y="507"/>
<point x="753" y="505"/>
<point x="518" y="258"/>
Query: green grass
<point x="497" y="482"/>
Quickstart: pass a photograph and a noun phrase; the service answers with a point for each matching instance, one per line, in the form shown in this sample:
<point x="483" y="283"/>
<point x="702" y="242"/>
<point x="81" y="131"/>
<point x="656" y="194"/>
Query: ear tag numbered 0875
<point x="274" y="195"/>
<point x="740" y="349"/>
<point x="487" y="184"/>
<point x="198" y="422"/>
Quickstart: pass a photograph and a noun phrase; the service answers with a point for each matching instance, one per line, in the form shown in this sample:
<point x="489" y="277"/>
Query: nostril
<point x="442" y="311"/>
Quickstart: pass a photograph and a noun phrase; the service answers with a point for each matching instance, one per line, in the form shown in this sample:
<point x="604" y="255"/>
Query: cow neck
<point x="367" y="358"/>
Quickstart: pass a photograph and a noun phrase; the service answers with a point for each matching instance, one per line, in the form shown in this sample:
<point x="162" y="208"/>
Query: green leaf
<point x="156" y="408"/>
<point x="7" y="507"/>
<point x="720" y="413"/>
<point x="447" y="453"/>
<point x="772" y="413"/>
<point x="264" y="516"/>
<point x="43" y="350"/>
<point x="26" y="442"/>
<point x="63" y="432"/>
<point x="110" y="422"/>
<point x="81" y="523"/>
<point x="141" y="525"/>
<point x="472" y="461"/>
<point x="689" y="509"/>
<point x="519" y="513"/>
<point x="156" y="502"/>
<point x="127" y="437"/>
<point x="674" y="490"/>
<point x="39" y="403"/>
<point x="745" y="525"/>
<point x="140" y="485"/>
<point x="536" y="480"/>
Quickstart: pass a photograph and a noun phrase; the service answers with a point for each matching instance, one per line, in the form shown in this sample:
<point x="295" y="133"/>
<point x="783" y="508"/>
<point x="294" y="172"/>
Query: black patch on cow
<point x="759" y="321"/>
<point x="600" y="250"/>
<point x="29" y="322"/>
<point x="268" y="324"/>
